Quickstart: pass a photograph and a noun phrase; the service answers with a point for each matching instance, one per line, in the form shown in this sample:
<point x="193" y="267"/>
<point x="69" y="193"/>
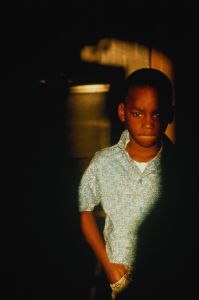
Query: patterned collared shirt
<point x="126" y="194"/>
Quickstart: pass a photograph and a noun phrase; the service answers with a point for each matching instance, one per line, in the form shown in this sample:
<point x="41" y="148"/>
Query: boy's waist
<point x="120" y="256"/>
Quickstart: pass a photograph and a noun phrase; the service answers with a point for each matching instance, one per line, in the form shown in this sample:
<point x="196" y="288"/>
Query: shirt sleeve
<point x="88" y="194"/>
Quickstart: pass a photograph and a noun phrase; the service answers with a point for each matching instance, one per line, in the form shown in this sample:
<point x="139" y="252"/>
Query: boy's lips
<point x="148" y="135"/>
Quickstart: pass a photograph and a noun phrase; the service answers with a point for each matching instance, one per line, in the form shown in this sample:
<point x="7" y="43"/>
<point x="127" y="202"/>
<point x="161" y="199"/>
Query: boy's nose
<point x="148" y="122"/>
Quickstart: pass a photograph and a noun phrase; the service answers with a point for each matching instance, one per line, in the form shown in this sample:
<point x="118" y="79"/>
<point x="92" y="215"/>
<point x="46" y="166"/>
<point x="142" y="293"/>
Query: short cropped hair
<point x="149" y="77"/>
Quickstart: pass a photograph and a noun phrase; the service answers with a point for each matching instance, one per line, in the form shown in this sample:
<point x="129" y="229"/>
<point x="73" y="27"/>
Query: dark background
<point x="44" y="255"/>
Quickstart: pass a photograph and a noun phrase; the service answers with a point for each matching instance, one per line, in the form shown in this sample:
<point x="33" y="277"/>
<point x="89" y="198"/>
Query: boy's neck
<point x="142" y="154"/>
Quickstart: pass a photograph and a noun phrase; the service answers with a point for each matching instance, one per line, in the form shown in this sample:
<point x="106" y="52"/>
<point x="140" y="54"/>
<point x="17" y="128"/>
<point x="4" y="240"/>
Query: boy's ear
<point x="121" y="113"/>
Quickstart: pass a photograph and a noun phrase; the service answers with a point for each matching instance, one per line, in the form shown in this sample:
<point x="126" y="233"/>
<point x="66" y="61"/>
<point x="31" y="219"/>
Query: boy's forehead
<point x="144" y="94"/>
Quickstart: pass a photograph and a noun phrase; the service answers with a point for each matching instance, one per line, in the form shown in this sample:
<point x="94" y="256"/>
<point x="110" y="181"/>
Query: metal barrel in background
<point x="88" y="127"/>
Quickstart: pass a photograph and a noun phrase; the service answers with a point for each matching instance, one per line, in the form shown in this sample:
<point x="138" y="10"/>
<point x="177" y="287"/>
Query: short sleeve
<point x="88" y="194"/>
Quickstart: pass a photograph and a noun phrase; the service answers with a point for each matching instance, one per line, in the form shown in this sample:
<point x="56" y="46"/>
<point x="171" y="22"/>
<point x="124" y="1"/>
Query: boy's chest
<point x="130" y="194"/>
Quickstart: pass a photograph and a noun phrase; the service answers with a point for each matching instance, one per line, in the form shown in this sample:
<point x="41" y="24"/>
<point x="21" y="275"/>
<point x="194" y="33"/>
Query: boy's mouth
<point x="148" y="135"/>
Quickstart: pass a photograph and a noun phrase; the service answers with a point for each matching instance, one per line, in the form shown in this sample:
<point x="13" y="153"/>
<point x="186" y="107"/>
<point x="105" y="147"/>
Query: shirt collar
<point x="124" y="139"/>
<point x="152" y="164"/>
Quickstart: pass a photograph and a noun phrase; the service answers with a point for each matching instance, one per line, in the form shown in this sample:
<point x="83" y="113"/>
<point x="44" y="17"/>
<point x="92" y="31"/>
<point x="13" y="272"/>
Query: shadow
<point x="166" y="253"/>
<point x="50" y="253"/>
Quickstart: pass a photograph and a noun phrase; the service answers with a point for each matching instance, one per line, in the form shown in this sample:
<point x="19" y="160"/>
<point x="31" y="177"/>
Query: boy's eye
<point x="136" y="113"/>
<point x="156" y="115"/>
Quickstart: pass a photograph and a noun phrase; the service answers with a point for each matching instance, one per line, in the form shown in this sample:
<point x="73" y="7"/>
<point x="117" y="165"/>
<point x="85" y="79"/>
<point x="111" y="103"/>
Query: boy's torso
<point x="127" y="195"/>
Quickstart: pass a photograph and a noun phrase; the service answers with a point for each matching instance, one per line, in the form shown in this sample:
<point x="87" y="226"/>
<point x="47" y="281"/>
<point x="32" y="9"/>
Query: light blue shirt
<point x="126" y="194"/>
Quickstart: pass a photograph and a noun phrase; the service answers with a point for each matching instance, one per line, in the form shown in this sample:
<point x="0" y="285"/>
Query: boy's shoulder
<point x="169" y="146"/>
<point x="106" y="153"/>
<point x="112" y="151"/>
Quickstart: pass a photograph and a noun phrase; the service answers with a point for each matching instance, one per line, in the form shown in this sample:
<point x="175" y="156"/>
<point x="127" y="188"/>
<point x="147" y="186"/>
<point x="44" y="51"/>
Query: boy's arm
<point x="94" y="238"/>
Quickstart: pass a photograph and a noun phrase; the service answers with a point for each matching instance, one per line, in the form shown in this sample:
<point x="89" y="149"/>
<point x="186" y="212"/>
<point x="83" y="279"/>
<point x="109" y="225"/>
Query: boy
<point x="126" y="178"/>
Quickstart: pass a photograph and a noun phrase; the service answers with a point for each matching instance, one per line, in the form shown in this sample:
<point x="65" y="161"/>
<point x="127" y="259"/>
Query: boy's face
<point x="142" y="116"/>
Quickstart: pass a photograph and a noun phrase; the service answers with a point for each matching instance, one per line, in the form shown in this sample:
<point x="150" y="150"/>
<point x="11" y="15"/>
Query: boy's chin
<point x="148" y="141"/>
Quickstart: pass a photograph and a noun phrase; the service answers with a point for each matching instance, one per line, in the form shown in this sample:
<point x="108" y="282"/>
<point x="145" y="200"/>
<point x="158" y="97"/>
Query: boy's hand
<point x="115" y="272"/>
